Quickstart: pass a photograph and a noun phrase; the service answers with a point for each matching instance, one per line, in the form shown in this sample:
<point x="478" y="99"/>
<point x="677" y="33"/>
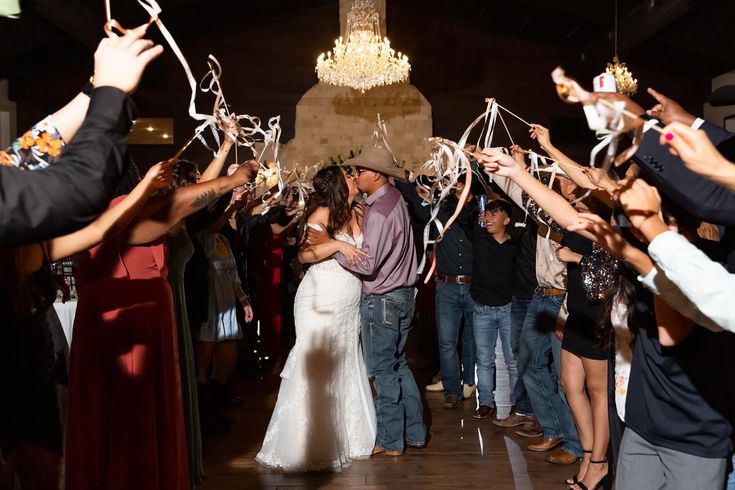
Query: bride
<point x="324" y="416"/>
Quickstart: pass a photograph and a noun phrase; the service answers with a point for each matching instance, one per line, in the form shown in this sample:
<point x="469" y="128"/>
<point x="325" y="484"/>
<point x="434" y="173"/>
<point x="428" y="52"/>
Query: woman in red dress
<point x="126" y="427"/>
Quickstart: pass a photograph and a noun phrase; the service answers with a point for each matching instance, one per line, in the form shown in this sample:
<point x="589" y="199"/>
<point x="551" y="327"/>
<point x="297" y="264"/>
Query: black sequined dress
<point x="579" y="332"/>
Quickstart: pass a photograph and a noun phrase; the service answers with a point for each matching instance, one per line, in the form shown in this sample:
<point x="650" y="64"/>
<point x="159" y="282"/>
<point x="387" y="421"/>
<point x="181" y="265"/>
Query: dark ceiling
<point x="684" y="37"/>
<point x="461" y="51"/>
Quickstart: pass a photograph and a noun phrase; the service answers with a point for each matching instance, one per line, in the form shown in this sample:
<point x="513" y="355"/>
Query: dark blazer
<point x="696" y="194"/>
<point x="66" y="196"/>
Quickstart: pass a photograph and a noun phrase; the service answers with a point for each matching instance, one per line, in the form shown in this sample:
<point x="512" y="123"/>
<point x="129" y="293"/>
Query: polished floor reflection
<point x="463" y="453"/>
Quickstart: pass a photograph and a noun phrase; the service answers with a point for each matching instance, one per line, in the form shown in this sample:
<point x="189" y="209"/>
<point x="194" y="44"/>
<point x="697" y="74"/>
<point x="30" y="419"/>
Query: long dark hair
<point x="330" y="191"/>
<point x="623" y="291"/>
<point x="185" y="173"/>
<point x="129" y="179"/>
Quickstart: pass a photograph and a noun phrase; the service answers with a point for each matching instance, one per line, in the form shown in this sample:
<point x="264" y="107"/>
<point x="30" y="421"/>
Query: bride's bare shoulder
<point x="319" y="215"/>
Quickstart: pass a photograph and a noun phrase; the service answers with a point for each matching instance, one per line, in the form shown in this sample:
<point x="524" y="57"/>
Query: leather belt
<point x="454" y="279"/>
<point x="549" y="291"/>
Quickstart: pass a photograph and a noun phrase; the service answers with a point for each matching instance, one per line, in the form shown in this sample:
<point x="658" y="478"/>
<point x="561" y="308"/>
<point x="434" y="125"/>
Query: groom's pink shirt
<point x="387" y="237"/>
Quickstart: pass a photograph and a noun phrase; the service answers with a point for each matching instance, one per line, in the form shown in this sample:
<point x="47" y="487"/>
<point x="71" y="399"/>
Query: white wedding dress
<point x="324" y="416"/>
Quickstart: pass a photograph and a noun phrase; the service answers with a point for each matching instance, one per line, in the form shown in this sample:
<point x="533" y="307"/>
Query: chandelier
<point x="626" y="84"/>
<point x="366" y="59"/>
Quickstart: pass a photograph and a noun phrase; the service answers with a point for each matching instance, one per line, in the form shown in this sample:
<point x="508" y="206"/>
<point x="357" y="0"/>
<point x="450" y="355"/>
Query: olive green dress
<point x="180" y="251"/>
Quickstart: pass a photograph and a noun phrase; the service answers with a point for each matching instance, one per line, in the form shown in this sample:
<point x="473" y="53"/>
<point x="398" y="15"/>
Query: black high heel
<point x="573" y="480"/>
<point x="600" y="483"/>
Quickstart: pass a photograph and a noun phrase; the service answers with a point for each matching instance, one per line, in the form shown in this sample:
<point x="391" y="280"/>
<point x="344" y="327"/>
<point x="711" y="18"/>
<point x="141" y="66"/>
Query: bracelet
<point x="88" y="87"/>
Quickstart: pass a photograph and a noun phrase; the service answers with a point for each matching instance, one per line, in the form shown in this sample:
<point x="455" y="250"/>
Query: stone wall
<point x="333" y="121"/>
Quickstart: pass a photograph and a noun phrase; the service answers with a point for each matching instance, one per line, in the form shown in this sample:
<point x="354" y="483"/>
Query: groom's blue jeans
<point x="386" y="321"/>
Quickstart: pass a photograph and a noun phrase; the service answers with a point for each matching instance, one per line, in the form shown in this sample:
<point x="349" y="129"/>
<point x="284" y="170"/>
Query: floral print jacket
<point x="37" y="148"/>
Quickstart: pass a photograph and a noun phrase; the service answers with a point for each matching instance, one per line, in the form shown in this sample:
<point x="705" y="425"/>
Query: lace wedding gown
<point x="324" y="416"/>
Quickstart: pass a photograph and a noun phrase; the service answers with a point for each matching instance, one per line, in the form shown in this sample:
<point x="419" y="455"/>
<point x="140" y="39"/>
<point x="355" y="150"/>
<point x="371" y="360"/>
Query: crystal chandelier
<point x="627" y="85"/>
<point x="366" y="60"/>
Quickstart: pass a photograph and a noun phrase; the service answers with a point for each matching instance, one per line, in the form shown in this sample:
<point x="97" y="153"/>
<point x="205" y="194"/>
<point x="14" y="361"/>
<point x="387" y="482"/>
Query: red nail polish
<point x="669" y="136"/>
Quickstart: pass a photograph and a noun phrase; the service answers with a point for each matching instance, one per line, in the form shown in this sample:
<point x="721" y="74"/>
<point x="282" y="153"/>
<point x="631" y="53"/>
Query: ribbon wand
<point x="186" y="145"/>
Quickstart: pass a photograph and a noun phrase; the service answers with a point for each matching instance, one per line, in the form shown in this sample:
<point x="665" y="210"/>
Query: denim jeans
<point x="454" y="307"/>
<point x="386" y="321"/>
<point x="488" y="321"/>
<point x="538" y="342"/>
<point x="518" y="310"/>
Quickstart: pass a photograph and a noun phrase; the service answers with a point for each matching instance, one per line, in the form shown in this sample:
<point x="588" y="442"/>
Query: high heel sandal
<point x="600" y="483"/>
<point x="573" y="480"/>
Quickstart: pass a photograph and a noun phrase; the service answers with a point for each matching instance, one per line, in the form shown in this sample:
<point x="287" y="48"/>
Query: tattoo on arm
<point x="204" y="199"/>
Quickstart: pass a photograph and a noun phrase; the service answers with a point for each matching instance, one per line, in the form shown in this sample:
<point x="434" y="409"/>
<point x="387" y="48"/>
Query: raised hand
<point x="600" y="178"/>
<point x="246" y="172"/>
<point x="120" y="61"/>
<point x="628" y="122"/>
<point x="607" y="237"/>
<point x="668" y="111"/>
<point x="694" y="148"/>
<point x="540" y="134"/>
<point x="230" y="126"/>
<point x="159" y="176"/>
<point x="496" y="161"/>
<point x="569" y="89"/>
<point x="613" y="243"/>
<point x="639" y="200"/>
<point x="518" y="154"/>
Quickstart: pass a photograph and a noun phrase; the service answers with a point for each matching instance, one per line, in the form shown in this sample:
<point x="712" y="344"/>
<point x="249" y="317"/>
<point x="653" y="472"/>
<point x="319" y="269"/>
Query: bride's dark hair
<point x="330" y="191"/>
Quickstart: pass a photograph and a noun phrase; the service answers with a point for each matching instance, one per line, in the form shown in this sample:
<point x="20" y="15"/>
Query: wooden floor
<point x="462" y="453"/>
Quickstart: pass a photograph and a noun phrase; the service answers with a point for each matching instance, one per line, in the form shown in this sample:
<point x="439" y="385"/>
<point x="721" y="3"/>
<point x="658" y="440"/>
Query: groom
<point x="388" y="273"/>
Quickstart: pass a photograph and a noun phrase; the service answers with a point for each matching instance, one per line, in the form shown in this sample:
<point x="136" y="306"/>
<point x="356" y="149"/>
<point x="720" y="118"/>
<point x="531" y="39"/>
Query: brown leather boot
<point x="561" y="456"/>
<point x="546" y="444"/>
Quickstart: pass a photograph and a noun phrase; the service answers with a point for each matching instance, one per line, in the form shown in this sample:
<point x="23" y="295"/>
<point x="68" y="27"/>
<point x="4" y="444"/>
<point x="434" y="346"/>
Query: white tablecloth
<point x="66" y="312"/>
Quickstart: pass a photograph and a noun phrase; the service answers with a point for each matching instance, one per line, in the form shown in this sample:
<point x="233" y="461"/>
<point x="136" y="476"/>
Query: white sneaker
<point x="438" y="386"/>
<point x="467" y="390"/>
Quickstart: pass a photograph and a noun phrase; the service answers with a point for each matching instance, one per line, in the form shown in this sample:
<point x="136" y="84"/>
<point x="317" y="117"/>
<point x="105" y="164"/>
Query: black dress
<point x="29" y="405"/>
<point x="579" y="331"/>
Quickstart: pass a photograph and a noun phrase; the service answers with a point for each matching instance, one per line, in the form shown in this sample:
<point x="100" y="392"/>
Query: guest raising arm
<point x="699" y="154"/>
<point x="595" y="180"/>
<point x="165" y="212"/>
<point x="39" y="205"/>
<point x="497" y="162"/>
<point x="706" y="283"/>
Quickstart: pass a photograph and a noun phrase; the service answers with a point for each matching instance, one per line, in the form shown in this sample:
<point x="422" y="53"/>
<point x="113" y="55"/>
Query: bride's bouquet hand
<point x="354" y="255"/>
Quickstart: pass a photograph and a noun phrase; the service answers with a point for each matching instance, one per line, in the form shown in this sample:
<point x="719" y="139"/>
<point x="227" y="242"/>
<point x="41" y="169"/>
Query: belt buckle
<point x="458" y="279"/>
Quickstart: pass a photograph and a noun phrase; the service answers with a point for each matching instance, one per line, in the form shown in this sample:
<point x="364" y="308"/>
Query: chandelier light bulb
<point x="365" y="60"/>
<point x="626" y="84"/>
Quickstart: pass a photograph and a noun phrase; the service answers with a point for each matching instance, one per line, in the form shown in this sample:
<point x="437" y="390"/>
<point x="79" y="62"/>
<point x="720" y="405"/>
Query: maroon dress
<point x="126" y="426"/>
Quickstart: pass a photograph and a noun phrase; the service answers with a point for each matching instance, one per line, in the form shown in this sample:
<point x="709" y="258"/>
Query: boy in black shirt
<point x="492" y="289"/>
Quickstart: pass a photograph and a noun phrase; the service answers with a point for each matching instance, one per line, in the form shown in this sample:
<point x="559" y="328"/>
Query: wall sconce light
<point x="152" y="131"/>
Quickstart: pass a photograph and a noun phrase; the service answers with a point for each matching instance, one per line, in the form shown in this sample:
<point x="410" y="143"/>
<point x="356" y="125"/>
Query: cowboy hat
<point x="378" y="160"/>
